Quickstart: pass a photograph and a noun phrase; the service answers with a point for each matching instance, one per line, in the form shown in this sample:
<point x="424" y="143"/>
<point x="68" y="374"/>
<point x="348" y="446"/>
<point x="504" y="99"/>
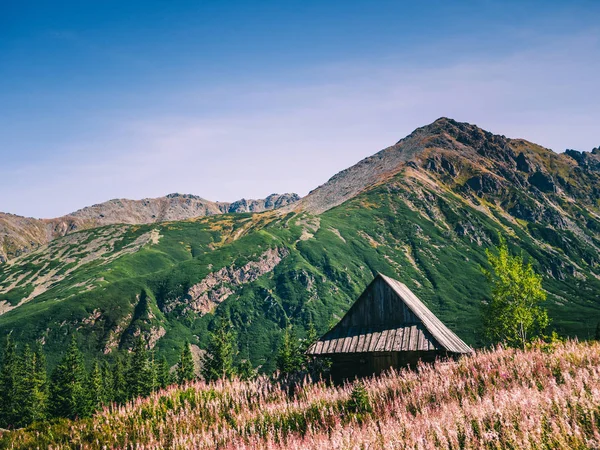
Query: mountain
<point x="422" y="211"/>
<point x="20" y="235"/>
<point x="470" y="161"/>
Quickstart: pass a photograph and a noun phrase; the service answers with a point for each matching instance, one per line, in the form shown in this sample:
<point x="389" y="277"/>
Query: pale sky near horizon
<point x="231" y="99"/>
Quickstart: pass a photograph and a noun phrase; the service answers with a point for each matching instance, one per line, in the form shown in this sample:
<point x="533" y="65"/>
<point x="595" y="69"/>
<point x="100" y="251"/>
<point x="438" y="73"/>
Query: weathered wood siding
<point x="379" y="306"/>
<point x="350" y="366"/>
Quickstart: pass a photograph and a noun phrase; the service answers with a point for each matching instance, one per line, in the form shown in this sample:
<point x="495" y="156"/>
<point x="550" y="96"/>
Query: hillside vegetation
<point x="542" y="398"/>
<point x="422" y="211"/>
<point x="21" y="235"/>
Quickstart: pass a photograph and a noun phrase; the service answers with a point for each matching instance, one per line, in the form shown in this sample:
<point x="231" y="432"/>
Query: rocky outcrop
<point x="484" y="184"/>
<point x="206" y="295"/>
<point x="543" y="182"/>
<point x="523" y="163"/>
<point x="586" y="160"/>
<point x="273" y="201"/>
<point x="173" y="207"/>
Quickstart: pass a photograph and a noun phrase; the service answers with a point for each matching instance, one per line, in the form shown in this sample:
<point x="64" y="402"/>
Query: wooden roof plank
<point x="380" y="346"/>
<point x="318" y="347"/>
<point x="389" y="344"/>
<point x="368" y="339"/>
<point x="374" y="340"/>
<point x="360" y="342"/>
<point x="397" y="345"/>
<point x="327" y="345"/>
<point x="347" y="340"/>
<point x="353" y="343"/>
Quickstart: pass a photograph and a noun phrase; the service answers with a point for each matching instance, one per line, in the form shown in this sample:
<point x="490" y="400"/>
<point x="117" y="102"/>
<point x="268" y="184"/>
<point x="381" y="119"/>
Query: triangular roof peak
<point x="435" y="326"/>
<point x="386" y="317"/>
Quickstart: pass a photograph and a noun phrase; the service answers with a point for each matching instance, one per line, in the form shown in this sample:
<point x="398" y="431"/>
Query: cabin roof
<point x="425" y="332"/>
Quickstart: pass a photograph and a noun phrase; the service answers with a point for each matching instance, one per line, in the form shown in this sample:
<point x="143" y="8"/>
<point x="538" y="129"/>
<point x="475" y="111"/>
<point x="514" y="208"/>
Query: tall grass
<point x="539" y="399"/>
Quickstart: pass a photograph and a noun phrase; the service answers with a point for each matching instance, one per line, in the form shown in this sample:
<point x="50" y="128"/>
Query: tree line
<point x="29" y="394"/>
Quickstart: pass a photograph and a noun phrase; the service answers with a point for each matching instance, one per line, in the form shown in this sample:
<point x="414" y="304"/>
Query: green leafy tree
<point x="163" y="374"/>
<point x="185" y="366"/>
<point x="218" y="360"/>
<point x="139" y="375"/>
<point x="9" y="385"/>
<point x="513" y="315"/>
<point x="96" y="387"/>
<point x="69" y="394"/>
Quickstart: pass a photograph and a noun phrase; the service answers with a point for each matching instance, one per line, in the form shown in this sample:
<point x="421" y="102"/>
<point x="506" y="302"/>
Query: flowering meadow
<point x="542" y="398"/>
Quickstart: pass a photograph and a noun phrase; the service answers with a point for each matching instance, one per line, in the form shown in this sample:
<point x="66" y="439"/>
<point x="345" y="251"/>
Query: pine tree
<point x="32" y="393"/>
<point x="69" y="396"/>
<point x="41" y="380"/>
<point x="289" y="357"/>
<point x="185" y="367"/>
<point x="120" y="391"/>
<point x="218" y="360"/>
<point x="108" y="383"/>
<point x="311" y="338"/>
<point x="246" y="371"/>
<point x="9" y="385"/>
<point x="152" y="367"/>
<point x="96" y="387"/>
<point x="163" y="374"/>
<point x="315" y="366"/>
<point x="139" y="380"/>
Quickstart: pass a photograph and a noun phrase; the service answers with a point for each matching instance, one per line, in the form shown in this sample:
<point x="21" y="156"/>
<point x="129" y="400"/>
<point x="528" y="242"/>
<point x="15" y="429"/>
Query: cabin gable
<point x="388" y="317"/>
<point x="378" y="306"/>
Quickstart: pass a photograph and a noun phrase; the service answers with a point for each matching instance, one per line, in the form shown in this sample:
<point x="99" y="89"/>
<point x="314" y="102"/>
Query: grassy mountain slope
<point x="424" y="218"/>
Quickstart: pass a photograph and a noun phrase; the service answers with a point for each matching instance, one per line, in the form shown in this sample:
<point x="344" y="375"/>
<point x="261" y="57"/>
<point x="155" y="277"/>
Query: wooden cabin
<point x="388" y="326"/>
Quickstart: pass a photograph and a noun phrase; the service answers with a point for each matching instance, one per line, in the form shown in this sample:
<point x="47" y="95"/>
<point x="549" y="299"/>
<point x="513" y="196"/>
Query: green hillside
<point x="427" y="224"/>
<point x="327" y="260"/>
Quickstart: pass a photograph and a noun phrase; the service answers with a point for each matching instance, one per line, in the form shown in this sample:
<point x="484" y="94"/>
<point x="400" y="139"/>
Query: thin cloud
<point x="261" y="138"/>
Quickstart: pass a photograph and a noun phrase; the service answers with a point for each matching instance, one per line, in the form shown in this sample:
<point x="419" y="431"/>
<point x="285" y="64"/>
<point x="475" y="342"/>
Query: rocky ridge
<point x="469" y="158"/>
<point x="19" y="235"/>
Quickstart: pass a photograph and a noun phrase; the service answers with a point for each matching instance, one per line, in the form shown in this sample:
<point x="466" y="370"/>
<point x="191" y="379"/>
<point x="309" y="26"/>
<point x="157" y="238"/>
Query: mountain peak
<point x="445" y="120"/>
<point x="452" y="127"/>
<point x="437" y="150"/>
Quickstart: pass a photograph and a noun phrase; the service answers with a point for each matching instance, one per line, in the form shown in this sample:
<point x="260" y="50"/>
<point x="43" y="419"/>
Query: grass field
<point x="543" y="398"/>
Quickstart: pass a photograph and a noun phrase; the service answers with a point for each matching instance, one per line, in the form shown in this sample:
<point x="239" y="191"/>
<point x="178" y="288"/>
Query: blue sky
<point x="231" y="99"/>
